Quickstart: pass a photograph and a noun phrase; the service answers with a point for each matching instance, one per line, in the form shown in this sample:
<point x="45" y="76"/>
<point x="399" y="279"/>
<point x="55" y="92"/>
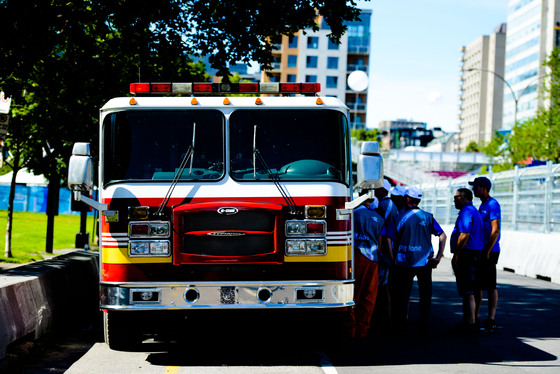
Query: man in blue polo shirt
<point x="414" y="257"/>
<point x="466" y="245"/>
<point x="490" y="212"/>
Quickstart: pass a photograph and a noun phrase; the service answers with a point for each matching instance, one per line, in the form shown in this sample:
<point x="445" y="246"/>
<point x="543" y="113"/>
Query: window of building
<point x="332" y="63"/>
<point x="292" y="61"/>
<point x="332" y="82"/>
<point x="311" y="79"/>
<point x="312" y="61"/>
<point x="293" y="41"/>
<point x="312" y="42"/>
<point x="291" y="78"/>
<point x="333" y="45"/>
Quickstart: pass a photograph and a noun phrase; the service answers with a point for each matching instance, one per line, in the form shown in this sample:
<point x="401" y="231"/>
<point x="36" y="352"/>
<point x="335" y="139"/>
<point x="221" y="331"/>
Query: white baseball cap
<point x="414" y="192"/>
<point x="398" y="190"/>
<point x="386" y="185"/>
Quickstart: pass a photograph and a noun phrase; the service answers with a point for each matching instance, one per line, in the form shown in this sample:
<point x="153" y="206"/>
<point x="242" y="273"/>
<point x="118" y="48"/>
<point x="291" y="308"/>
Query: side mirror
<point x="370" y="166"/>
<point x="80" y="168"/>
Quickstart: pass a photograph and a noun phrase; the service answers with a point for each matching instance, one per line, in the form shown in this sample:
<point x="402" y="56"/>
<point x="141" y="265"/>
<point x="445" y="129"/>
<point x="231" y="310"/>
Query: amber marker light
<point x="194" y="101"/>
<point x="319" y="101"/>
<point x="226" y="101"/>
<point x="132" y="101"/>
<point x="258" y="101"/>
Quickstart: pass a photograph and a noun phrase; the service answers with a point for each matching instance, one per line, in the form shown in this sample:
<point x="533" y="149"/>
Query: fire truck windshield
<point x="295" y="144"/>
<point x="140" y="145"/>
<point x="149" y="145"/>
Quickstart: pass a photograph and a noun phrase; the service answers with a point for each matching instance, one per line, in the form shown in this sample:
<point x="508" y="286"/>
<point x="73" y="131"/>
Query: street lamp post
<point x="513" y="95"/>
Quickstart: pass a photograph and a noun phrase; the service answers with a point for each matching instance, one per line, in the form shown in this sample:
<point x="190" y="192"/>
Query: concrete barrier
<point x="58" y="293"/>
<point x="531" y="254"/>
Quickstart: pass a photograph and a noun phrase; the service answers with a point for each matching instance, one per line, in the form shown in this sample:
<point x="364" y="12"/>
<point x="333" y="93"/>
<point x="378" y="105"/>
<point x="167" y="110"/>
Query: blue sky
<point x="414" y="66"/>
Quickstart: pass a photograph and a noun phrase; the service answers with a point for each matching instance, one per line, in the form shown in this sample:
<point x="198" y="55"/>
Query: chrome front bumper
<point x="225" y="295"/>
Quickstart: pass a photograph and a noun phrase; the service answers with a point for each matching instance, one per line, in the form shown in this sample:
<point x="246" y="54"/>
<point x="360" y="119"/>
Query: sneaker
<point x="489" y="327"/>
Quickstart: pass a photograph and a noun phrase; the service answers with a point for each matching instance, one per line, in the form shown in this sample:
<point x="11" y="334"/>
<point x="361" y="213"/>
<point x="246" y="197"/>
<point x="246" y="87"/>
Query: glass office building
<point x="532" y="33"/>
<point x="311" y="56"/>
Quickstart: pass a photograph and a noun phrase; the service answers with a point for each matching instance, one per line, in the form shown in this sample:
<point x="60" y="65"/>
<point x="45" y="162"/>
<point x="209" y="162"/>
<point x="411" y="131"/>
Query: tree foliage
<point x="73" y="56"/>
<point x="363" y="134"/>
<point x="473" y="147"/>
<point x="64" y="59"/>
<point x="233" y="31"/>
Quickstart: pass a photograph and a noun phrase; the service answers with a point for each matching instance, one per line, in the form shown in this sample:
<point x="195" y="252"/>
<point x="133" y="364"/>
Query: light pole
<point x="513" y="95"/>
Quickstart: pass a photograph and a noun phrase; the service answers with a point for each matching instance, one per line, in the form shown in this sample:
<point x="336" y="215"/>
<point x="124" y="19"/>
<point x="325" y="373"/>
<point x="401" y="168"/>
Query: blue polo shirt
<point x="413" y="244"/>
<point x="489" y="211"/>
<point x="368" y="225"/>
<point x="469" y="220"/>
<point x="389" y="212"/>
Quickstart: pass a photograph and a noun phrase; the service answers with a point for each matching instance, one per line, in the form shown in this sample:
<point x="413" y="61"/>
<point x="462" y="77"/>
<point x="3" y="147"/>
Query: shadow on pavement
<point x="525" y="314"/>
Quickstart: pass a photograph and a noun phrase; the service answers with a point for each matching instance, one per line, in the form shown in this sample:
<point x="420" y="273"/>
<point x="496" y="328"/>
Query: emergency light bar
<point x="224" y="88"/>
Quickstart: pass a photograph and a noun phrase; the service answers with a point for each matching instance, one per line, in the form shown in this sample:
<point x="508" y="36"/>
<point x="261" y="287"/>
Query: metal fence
<point x="34" y="199"/>
<point x="529" y="198"/>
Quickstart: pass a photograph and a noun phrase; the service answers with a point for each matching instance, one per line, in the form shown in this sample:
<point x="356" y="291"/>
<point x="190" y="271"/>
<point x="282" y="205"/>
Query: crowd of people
<point x="393" y="246"/>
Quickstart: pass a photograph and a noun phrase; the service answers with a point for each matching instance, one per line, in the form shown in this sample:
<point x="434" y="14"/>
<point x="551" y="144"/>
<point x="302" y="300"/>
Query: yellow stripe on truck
<point x="120" y="256"/>
<point x="335" y="253"/>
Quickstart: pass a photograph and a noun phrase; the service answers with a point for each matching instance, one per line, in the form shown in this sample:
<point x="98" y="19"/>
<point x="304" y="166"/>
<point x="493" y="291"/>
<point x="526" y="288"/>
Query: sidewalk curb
<point x="59" y="292"/>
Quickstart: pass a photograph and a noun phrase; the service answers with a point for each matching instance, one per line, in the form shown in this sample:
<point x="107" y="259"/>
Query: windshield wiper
<point x="178" y="173"/>
<point x="274" y="177"/>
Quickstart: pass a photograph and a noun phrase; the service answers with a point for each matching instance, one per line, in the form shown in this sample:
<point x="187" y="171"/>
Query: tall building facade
<point x="312" y="57"/>
<point x="533" y="32"/>
<point x="482" y="88"/>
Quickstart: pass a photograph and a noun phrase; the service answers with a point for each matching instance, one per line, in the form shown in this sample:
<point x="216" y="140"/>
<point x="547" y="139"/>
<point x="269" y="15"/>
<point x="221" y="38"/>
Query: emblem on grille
<point x="226" y="233"/>
<point x="227" y="211"/>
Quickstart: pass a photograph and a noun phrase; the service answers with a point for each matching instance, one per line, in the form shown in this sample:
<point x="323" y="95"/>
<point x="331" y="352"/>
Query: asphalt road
<point x="528" y="341"/>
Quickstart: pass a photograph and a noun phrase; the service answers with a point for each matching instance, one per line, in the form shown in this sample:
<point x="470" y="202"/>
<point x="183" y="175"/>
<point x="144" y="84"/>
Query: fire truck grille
<point x="246" y="233"/>
<point x="246" y="245"/>
<point x="244" y="220"/>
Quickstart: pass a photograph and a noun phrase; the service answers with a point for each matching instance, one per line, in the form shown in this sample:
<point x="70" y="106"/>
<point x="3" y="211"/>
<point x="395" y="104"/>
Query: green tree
<point x="473" y="147"/>
<point x="363" y="134"/>
<point x="62" y="59"/>
<point x="498" y="149"/>
<point x="22" y="141"/>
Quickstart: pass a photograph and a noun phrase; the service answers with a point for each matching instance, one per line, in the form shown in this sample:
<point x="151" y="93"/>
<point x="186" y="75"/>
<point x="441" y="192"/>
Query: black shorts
<point x="468" y="272"/>
<point x="488" y="271"/>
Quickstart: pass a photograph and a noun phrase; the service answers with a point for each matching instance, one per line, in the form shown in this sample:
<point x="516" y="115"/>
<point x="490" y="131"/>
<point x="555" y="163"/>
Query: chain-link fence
<point x="529" y="198"/>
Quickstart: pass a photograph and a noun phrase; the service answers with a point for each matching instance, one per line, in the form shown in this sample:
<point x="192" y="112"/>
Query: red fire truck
<point x="222" y="196"/>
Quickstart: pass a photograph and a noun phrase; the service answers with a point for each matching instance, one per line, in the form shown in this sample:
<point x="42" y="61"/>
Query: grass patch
<point x="29" y="233"/>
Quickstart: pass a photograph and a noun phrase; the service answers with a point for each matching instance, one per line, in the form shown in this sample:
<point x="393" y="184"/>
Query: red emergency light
<point x="206" y="88"/>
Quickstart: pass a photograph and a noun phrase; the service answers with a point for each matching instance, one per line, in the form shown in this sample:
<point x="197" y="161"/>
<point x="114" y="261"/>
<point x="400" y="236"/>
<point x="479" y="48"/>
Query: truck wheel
<point x="120" y="332"/>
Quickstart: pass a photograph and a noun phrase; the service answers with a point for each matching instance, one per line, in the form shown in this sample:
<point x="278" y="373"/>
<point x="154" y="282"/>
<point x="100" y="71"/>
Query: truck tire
<point x="120" y="331"/>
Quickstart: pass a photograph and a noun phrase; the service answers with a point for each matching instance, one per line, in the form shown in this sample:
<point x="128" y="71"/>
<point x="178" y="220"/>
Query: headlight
<point x="157" y="248"/>
<point x="316" y="247"/>
<point x="159" y="229"/>
<point x="295" y="228"/>
<point x="306" y="228"/>
<point x="295" y="247"/>
<point x="148" y="229"/>
<point x="139" y="248"/>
